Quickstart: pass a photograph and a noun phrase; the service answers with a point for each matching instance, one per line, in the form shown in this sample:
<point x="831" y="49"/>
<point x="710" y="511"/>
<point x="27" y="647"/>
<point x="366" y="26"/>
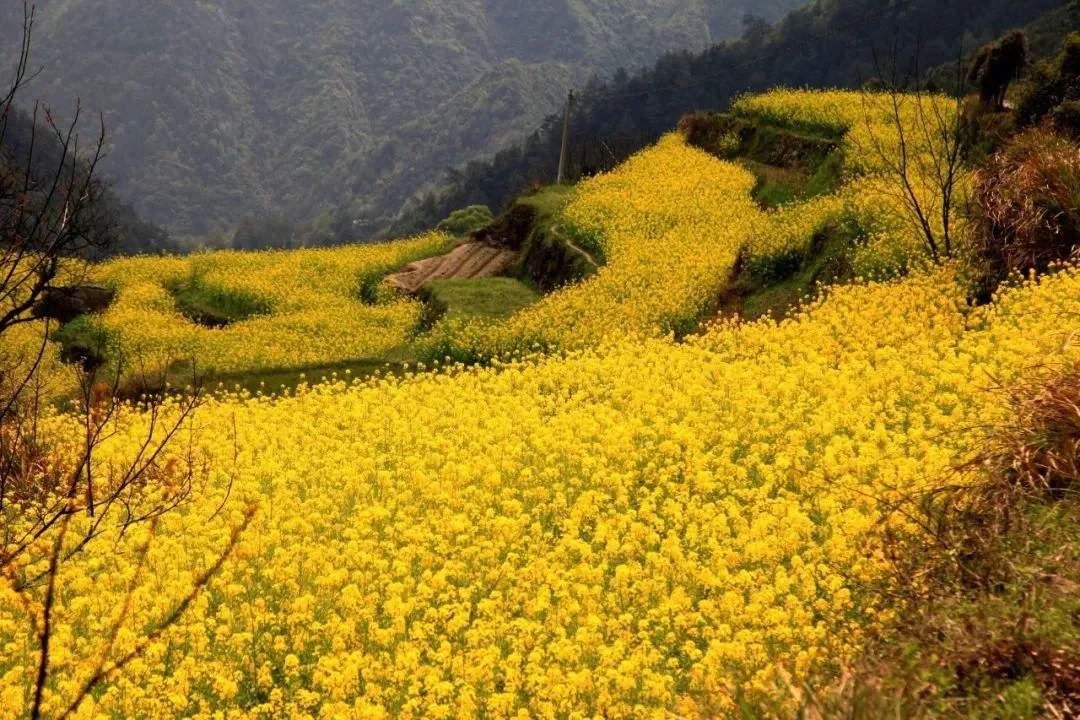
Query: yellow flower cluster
<point x="670" y="221"/>
<point x="791" y="227"/>
<point x="27" y="356"/>
<point x="871" y="144"/>
<point x="642" y="529"/>
<point x="315" y="314"/>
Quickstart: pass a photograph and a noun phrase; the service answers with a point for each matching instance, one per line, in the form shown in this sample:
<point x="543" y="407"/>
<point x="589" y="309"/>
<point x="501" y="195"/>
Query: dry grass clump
<point x="1040" y="451"/>
<point x="988" y="586"/>
<point x="27" y="471"/>
<point x="1027" y="206"/>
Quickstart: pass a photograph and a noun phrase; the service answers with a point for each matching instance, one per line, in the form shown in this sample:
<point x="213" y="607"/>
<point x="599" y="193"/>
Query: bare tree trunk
<point x="48" y="216"/>
<point x="926" y="167"/>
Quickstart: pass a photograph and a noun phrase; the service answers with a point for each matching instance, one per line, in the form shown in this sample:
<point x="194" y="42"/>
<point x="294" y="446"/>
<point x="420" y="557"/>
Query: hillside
<point x="121" y="229"/>
<point x="613" y="493"/>
<point x="829" y="43"/>
<point x="1047" y="32"/>
<point x="233" y="108"/>
<point x="1045" y="35"/>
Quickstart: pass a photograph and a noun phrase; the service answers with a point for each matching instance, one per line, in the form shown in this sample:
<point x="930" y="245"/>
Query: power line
<point x="565" y="137"/>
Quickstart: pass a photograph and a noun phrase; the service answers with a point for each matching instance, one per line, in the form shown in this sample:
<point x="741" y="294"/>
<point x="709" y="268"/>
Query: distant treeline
<point x="35" y="148"/>
<point x="829" y="43"/>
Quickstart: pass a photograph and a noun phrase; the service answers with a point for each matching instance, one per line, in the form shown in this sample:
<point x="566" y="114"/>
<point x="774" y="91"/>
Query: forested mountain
<point x="1047" y="33"/>
<point x="35" y="155"/>
<point x="223" y="109"/>
<point x="826" y="43"/>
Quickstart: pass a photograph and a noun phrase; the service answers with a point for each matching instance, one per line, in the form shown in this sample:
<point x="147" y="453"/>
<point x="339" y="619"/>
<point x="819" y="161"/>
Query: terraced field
<point x="468" y="261"/>
<point x="616" y="511"/>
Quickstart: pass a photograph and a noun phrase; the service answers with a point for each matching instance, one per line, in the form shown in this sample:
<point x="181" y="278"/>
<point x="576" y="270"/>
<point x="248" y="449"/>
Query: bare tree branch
<point x="52" y="215"/>
<point x="919" y="148"/>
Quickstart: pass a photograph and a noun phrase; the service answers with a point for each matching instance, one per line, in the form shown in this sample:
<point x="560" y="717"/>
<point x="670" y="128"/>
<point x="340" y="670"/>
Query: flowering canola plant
<point x="791" y="227"/>
<point x="637" y="527"/>
<point x="314" y="312"/>
<point x="670" y="221"/>
<point x="27" y="355"/>
<point x="633" y="530"/>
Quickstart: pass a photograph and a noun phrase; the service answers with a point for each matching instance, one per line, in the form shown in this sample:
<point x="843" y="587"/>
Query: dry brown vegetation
<point x="988" y="588"/>
<point x="1027" y="206"/>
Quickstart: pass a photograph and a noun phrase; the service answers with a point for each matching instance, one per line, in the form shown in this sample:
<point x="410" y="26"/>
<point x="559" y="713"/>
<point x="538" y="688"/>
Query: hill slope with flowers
<point x="651" y="517"/>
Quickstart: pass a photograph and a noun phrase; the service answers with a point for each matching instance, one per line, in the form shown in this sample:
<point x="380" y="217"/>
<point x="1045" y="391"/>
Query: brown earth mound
<point x="465" y="262"/>
<point x="64" y="304"/>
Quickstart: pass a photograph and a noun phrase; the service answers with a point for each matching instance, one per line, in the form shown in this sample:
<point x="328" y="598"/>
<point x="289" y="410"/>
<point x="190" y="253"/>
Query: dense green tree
<point x="755" y="27"/>
<point x="223" y="109"/>
<point x="467" y="220"/>
<point x="997" y="65"/>
<point x="1053" y="83"/>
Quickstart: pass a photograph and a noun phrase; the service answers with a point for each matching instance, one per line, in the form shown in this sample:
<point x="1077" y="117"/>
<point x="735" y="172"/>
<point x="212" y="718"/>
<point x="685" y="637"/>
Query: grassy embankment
<point x="208" y="304"/>
<point x="792" y="166"/>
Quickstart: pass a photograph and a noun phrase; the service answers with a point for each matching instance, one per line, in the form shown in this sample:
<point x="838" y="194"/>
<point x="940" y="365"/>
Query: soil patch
<point x="468" y="261"/>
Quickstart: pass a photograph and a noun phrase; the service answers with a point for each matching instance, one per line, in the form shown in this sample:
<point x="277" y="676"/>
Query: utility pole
<point x="565" y="138"/>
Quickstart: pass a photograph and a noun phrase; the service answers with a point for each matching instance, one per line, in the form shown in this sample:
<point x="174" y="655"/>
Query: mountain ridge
<point x="231" y="108"/>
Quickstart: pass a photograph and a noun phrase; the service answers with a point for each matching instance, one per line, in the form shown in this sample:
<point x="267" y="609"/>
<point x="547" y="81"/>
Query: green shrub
<point x="767" y="270"/>
<point x="372" y="289"/>
<point x="467" y="220"/>
<point x="828" y="176"/>
<point x="727" y="145"/>
<point x="1066" y="118"/>
<point x="434" y="309"/>
<point x="774" y="193"/>
<point x="590" y="240"/>
<point x="1052" y="82"/>
<point x="85" y="340"/>
<point x="215" y="306"/>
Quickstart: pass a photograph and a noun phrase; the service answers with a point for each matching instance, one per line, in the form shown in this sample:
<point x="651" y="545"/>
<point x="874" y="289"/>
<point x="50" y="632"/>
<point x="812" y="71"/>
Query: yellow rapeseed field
<point x="315" y="314"/>
<point x="642" y="528"/>
<point x="671" y="222"/>
<point x="673" y="219"/>
<point x="639" y="526"/>
<point x="871" y="143"/>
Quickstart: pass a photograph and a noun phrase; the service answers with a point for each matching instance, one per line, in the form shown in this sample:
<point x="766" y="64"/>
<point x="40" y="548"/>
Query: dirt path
<point x="570" y="244"/>
<point x="465" y="262"/>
